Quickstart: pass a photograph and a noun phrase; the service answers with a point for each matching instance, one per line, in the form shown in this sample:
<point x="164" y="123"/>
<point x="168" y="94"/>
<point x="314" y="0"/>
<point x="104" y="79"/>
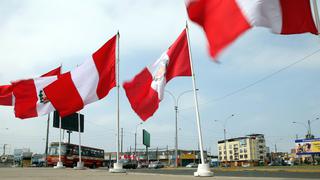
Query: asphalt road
<point x="271" y="174"/>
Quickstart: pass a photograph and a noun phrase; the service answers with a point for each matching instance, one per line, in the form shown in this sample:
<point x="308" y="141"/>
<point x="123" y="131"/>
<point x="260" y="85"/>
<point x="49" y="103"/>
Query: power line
<point x="258" y="81"/>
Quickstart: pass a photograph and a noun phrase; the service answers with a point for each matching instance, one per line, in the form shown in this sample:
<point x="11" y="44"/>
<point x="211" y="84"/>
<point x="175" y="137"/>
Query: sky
<point x="266" y="80"/>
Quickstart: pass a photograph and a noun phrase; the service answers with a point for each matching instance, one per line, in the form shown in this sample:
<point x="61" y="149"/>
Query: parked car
<point x="142" y="165"/>
<point x="156" y="165"/>
<point x="192" y="165"/>
<point x="128" y="164"/>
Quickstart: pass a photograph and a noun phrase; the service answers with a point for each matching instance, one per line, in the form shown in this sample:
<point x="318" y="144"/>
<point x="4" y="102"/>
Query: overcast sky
<point x="37" y="36"/>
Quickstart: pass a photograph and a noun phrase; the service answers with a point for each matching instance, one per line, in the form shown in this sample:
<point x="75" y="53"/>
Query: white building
<point x="243" y="151"/>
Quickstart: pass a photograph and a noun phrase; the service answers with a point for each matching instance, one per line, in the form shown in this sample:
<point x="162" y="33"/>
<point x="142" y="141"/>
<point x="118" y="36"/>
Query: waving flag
<point x="146" y="90"/>
<point x="85" y="84"/>
<point x="30" y="100"/>
<point x="224" y="20"/>
<point x="6" y="91"/>
<point x="6" y="97"/>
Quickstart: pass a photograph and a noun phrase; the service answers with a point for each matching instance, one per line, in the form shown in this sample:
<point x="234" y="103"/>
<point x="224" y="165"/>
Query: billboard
<point x="307" y="146"/>
<point x="146" y="138"/>
<point x="69" y="122"/>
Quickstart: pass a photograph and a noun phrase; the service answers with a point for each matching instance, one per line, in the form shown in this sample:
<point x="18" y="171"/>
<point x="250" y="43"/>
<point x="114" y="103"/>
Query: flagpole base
<point x="80" y="166"/>
<point x="203" y="171"/>
<point x="117" y="168"/>
<point x="59" y="165"/>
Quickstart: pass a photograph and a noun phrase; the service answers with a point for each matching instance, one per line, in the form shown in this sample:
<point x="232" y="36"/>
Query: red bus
<point x="91" y="157"/>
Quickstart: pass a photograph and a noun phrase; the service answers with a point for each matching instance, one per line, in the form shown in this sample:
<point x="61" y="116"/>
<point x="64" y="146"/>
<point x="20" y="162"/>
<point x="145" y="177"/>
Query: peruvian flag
<point x="224" y="20"/>
<point x="6" y="91"/>
<point x="87" y="83"/>
<point x="146" y="90"/>
<point x="6" y="97"/>
<point x="29" y="98"/>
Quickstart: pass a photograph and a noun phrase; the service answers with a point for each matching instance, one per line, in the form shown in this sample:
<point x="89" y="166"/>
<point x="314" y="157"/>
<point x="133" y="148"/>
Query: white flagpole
<point x="80" y="165"/>
<point x="316" y="15"/>
<point x="60" y="163"/>
<point x="203" y="168"/>
<point x="118" y="167"/>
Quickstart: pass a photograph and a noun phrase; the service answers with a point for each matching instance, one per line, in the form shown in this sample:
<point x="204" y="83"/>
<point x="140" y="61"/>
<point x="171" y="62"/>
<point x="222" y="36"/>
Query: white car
<point x="192" y="165"/>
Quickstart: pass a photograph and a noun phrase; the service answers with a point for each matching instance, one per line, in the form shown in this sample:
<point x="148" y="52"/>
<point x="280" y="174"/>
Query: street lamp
<point x="176" y="104"/>
<point x="308" y="127"/>
<point x="135" y="139"/>
<point x="224" y="124"/>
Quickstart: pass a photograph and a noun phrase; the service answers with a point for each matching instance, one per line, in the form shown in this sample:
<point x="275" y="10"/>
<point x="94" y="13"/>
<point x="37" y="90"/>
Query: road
<point x="242" y="173"/>
<point x="141" y="174"/>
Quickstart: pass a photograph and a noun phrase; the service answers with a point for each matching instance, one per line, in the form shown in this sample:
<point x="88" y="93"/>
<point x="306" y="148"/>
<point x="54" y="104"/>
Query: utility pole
<point x="47" y="140"/>
<point x="121" y="140"/>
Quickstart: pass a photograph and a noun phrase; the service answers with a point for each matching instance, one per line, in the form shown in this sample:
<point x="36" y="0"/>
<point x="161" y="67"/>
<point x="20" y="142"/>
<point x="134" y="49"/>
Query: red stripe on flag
<point x="6" y="95"/>
<point x="67" y="99"/>
<point x="54" y="72"/>
<point x="179" y="63"/>
<point x="297" y="17"/>
<point x="104" y="60"/>
<point x="25" y="98"/>
<point x="221" y="20"/>
<point x="143" y="99"/>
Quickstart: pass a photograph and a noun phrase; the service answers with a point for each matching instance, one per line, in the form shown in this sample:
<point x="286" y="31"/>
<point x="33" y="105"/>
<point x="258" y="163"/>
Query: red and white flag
<point x="146" y="90"/>
<point x="6" y="91"/>
<point x="29" y="98"/>
<point x="87" y="83"/>
<point x="6" y="98"/>
<point x="224" y="20"/>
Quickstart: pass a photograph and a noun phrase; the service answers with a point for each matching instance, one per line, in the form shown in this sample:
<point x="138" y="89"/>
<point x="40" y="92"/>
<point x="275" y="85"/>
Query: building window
<point x="261" y="157"/>
<point x="225" y="157"/>
<point x="220" y="152"/>
<point x="230" y="146"/>
<point x="231" y="157"/>
<point x="241" y="150"/>
<point x="220" y="158"/>
<point x="230" y="151"/>
<point x="261" y="147"/>
<point x="261" y="152"/>
<point x="245" y="156"/>
<point x="244" y="150"/>
<point x="241" y="156"/>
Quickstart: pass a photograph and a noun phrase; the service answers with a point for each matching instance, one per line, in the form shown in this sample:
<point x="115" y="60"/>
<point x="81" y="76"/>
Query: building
<point x="250" y="150"/>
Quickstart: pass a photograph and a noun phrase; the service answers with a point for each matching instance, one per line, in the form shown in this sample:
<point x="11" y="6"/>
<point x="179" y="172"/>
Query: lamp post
<point x="224" y="124"/>
<point x="135" y="139"/>
<point x="307" y="126"/>
<point x="176" y="104"/>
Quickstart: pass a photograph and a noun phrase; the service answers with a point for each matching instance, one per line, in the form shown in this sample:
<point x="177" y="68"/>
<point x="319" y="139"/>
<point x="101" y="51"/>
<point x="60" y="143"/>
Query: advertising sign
<point x="307" y="146"/>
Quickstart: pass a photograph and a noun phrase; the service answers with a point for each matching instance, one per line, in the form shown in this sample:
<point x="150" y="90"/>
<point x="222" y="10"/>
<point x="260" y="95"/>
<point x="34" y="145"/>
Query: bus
<point x="91" y="157"/>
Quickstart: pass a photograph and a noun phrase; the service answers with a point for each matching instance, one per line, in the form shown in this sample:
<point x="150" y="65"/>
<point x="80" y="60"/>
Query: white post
<point x="80" y="164"/>
<point x="203" y="168"/>
<point x="117" y="167"/>
<point x="316" y="14"/>
<point x="60" y="163"/>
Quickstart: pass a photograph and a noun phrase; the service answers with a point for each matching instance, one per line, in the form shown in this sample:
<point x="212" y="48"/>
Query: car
<point x="128" y="164"/>
<point x="142" y="165"/>
<point x="192" y="165"/>
<point x="156" y="165"/>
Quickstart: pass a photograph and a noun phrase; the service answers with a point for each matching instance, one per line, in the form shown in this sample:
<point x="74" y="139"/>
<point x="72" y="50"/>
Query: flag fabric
<point x="54" y="72"/>
<point x="146" y="89"/>
<point x="87" y="83"/>
<point x="6" y="91"/>
<point x="224" y="20"/>
<point x="29" y="98"/>
<point x="6" y="98"/>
